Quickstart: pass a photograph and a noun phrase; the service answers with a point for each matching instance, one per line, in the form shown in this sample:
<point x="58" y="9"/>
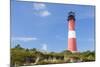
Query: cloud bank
<point x="40" y="9"/>
<point x="24" y="38"/>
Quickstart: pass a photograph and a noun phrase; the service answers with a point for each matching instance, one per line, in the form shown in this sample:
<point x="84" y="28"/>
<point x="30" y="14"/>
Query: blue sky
<point x="45" y="25"/>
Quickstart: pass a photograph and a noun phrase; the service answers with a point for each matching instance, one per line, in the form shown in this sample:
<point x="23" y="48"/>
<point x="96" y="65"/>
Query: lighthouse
<point x="71" y="32"/>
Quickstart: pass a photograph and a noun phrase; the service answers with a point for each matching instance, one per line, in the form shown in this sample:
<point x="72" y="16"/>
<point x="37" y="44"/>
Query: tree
<point x="88" y="56"/>
<point x="33" y="49"/>
<point x="18" y="46"/>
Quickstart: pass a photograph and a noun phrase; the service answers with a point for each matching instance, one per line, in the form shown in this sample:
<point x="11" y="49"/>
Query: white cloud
<point x="39" y="6"/>
<point x="44" y="47"/>
<point x="45" y="13"/>
<point x="24" y="38"/>
<point x="40" y="9"/>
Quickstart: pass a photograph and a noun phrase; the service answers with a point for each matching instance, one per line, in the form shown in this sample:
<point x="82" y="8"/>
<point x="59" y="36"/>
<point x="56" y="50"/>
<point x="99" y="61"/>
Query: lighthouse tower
<point x="71" y="32"/>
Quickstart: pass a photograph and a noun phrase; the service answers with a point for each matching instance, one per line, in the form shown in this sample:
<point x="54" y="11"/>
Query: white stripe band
<point x="71" y="34"/>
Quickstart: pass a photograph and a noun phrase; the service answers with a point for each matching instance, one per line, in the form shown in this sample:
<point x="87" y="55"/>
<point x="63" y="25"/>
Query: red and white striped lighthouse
<point x="71" y="32"/>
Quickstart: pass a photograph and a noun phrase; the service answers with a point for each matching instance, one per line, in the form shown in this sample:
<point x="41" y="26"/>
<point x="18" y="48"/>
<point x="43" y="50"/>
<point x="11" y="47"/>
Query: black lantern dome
<point x="71" y="16"/>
